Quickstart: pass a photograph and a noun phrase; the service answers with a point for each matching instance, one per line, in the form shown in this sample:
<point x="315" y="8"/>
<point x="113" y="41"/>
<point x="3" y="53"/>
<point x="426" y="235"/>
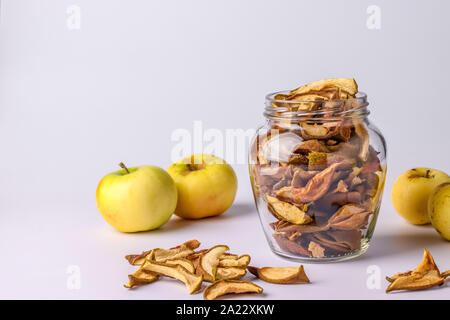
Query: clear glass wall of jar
<point x="317" y="171"/>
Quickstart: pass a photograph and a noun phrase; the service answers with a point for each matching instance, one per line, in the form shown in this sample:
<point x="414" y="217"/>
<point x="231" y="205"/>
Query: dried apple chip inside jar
<point x="347" y="85"/>
<point x="288" y="212"/>
<point x="223" y="287"/>
<point x="426" y="275"/>
<point x="281" y="275"/>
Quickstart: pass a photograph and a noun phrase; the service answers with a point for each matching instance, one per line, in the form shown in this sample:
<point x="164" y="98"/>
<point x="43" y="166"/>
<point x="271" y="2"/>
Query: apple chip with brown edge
<point x="230" y="273"/>
<point x="192" y="281"/>
<point x="347" y="85"/>
<point x="209" y="261"/>
<point x="426" y="275"/>
<point x="181" y="251"/>
<point x="185" y="263"/>
<point x="282" y="275"/>
<point x="223" y="287"/>
<point x="242" y="261"/>
<point x="287" y="212"/>
<point x="445" y="274"/>
<point x="140" y="277"/>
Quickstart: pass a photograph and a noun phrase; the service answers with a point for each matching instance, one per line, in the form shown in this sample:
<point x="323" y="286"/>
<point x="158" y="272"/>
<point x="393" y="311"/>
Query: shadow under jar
<point x="317" y="170"/>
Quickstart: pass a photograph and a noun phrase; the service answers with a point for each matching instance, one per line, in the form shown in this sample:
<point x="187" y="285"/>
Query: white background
<point x="73" y="103"/>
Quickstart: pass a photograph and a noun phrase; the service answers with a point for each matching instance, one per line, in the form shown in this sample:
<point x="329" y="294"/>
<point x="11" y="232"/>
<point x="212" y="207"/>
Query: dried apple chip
<point x="137" y="259"/>
<point x="209" y="261"/>
<point x="316" y="250"/>
<point x="426" y="275"/>
<point x="347" y="85"/>
<point x="242" y="261"/>
<point x="282" y="275"/>
<point x="192" y="281"/>
<point x="287" y="212"/>
<point x="230" y="273"/>
<point x="185" y="263"/>
<point x="316" y="188"/>
<point x="140" y="277"/>
<point x="398" y="275"/>
<point x="178" y="252"/>
<point x="223" y="287"/>
<point x="161" y="255"/>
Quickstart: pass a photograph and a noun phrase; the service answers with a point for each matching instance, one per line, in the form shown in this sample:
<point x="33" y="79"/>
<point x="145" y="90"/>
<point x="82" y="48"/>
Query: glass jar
<point x="317" y="171"/>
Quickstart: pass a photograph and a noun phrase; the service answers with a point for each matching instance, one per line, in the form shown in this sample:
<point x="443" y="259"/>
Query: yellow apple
<point x="137" y="199"/>
<point x="206" y="186"/>
<point x="411" y="192"/>
<point x="439" y="209"/>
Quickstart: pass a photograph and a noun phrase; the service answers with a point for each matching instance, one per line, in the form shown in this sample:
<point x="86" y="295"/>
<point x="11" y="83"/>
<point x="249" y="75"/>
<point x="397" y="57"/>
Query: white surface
<point x="75" y="103"/>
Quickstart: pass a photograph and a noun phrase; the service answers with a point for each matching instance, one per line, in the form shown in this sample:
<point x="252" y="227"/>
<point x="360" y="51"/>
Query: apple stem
<point x="123" y="166"/>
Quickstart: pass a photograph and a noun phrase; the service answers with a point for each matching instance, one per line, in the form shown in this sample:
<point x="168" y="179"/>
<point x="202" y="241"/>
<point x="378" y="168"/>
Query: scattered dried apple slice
<point x="181" y="251"/>
<point x="398" y="275"/>
<point x="140" y="277"/>
<point x="230" y="273"/>
<point x="426" y="275"/>
<point x="192" y="281"/>
<point x="209" y="261"/>
<point x="185" y="263"/>
<point x="223" y="287"/>
<point x="282" y="275"/>
<point x="287" y="212"/>
<point x="137" y="259"/>
<point x="445" y="274"/>
<point x="242" y="261"/>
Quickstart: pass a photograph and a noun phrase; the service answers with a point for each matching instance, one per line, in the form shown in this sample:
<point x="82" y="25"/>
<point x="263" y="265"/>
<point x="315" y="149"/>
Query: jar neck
<point x="316" y="111"/>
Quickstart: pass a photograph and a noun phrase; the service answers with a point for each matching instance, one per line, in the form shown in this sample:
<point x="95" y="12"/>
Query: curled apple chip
<point x="361" y="131"/>
<point x="209" y="261"/>
<point x="185" y="263"/>
<point x="230" y="273"/>
<point x="137" y="259"/>
<point x="287" y="212"/>
<point x="445" y="274"/>
<point x="426" y="275"/>
<point x="398" y="275"/>
<point x="192" y="281"/>
<point x="282" y="275"/>
<point x="242" y="261"/>
<point x="181" y="251"/>
<point x="223" y="287"/>
<point x="347" y="85"/>
<point x="140" y="277"/>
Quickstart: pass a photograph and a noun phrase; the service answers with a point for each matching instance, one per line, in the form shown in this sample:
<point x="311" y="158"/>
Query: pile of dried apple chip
<point x="215" y="265"/>
<point x="324" y="183"/>
<point x="424" y="276"/>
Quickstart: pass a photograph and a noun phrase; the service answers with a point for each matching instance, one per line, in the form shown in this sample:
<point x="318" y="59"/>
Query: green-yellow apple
<point x="411" y="192"/>
<point x="206" y="186"/>
<point x="439" y="209"/>
<point x="137" y="199"/>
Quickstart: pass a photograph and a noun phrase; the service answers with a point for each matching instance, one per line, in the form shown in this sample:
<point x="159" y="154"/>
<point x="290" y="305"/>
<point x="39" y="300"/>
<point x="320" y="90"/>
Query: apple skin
<point x="141" y="200"/>
<point x="411" y="192"/>
<point x="206" y="186"/>
<point x="439" y="209"/>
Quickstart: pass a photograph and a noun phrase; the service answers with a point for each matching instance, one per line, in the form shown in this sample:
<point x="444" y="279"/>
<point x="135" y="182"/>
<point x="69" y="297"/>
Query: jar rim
<point x="335" y="107"/>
